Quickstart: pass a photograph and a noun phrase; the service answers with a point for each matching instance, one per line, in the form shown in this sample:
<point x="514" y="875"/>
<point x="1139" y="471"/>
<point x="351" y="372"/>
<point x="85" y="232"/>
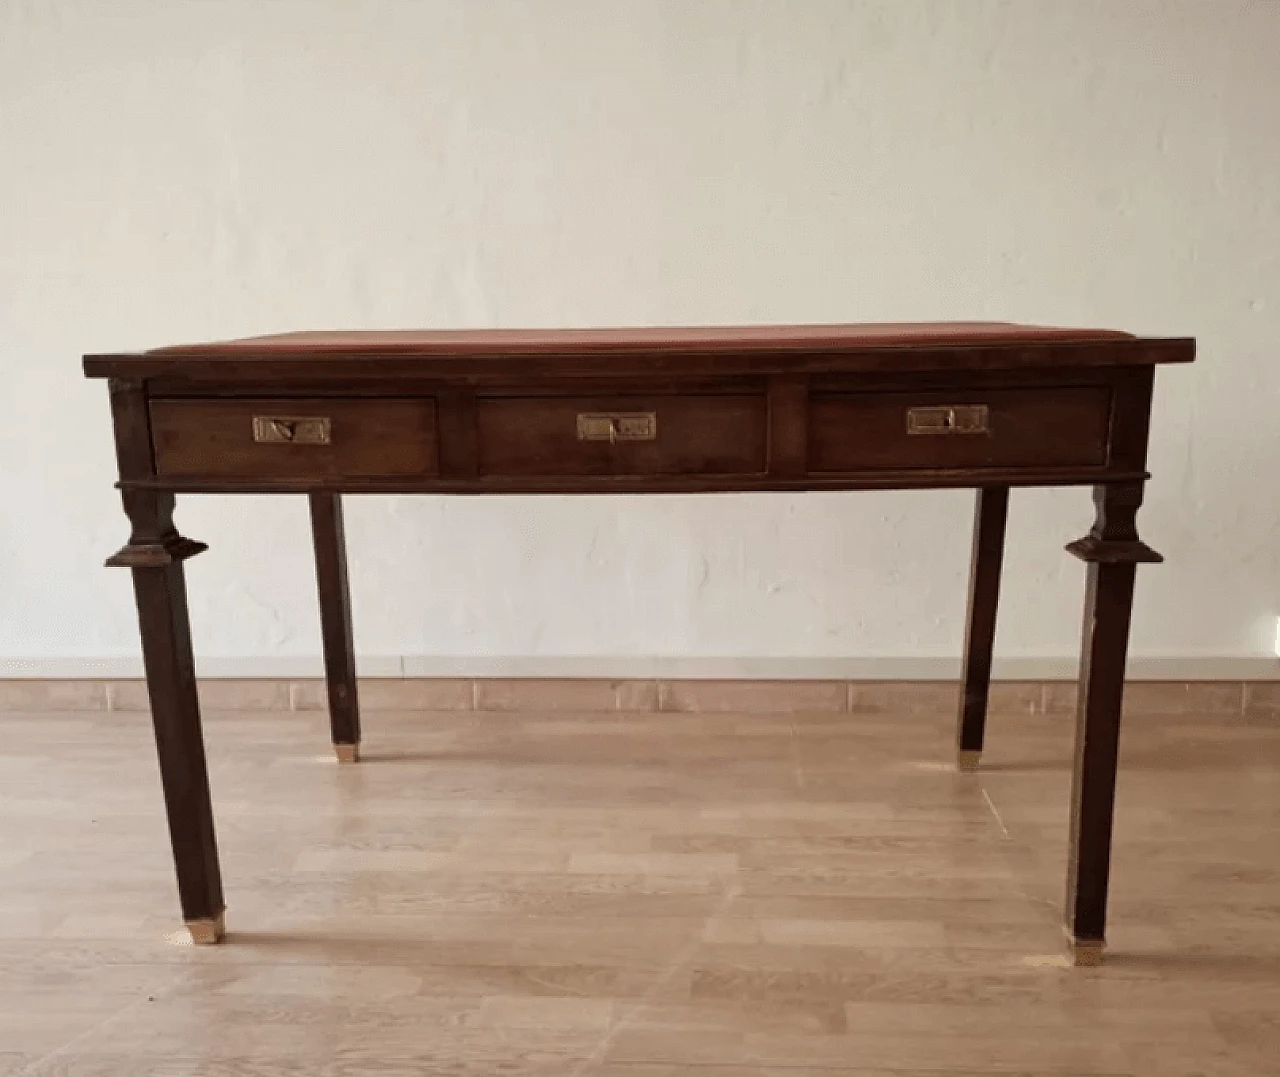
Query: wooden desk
<point x="986" y="405"/>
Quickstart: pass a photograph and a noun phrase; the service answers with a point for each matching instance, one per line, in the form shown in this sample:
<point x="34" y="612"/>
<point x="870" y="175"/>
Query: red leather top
<point x="654" y="338"/>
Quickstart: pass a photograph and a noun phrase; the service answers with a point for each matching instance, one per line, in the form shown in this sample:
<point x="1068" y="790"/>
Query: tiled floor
<point x="638" y="895"/>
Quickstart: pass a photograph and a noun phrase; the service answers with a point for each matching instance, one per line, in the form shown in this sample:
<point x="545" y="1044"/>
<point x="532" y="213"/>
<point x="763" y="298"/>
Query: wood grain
<point x="655" y="896"/>
<point x="329" y="537"/>
<point x="370" y="438"/>
<point x="695" y="435"/>
<point x="654" y="350"/>
<point x="991" y="513"/>
<point x="856" y="431"/>
<point x="989" y="405"/>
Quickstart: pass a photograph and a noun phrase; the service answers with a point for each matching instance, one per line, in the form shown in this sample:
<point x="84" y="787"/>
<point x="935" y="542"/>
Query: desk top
<point x="886" y="345"/>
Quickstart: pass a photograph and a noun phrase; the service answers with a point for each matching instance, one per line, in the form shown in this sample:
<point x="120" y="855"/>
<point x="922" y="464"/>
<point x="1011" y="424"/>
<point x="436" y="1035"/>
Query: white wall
<point x="174" y="170"/>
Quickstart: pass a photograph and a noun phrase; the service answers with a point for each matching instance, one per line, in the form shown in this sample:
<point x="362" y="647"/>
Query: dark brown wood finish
<point x="329" y="535"/>
<point x="921" y="479"/>
<point x="983" y="405"/>
<point x="692" y="434"/>
<point x="366" y="438"/>
<point x="702" y="339"/>
<point x="459" y="455"/>
<point x="851" y="432"/>
<point x="1113" y="551"/>
<point x="523" y="355"/>
<point x="155" y="553"/>
<point x="161" y="595"/>
<point x="1108" y="604"/>
<point x="788" y="427"/>
<point x="989" y="517"/>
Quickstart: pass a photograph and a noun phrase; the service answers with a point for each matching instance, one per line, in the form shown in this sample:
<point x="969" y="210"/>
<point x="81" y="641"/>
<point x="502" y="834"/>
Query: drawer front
<point x="940" y="430"/>
<point x="293" y="439"/>
<point x="723" y="434"/>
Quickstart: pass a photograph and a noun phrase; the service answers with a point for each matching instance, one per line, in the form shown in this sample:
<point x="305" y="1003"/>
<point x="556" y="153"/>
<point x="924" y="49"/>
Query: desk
<point x="983" y="405"/>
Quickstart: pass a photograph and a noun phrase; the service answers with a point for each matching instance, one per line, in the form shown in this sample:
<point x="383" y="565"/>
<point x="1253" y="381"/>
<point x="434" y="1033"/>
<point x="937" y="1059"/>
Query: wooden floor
<point x="638" y="896"/>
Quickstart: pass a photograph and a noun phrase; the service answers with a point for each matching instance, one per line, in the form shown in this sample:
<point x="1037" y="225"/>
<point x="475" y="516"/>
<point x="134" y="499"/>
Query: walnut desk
<point x="982" y="405"/>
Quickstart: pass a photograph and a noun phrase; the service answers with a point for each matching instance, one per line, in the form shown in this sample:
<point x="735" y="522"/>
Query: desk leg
<point x="155" y="554"/>
<point x="335" y="624"/>
<point x="1113" y="552"/>
<point x="989" y="518"/>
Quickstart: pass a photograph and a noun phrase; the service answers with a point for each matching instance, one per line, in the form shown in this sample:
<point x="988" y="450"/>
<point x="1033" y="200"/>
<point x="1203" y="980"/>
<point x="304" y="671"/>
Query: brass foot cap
<point x="1087" y="953"/>
<point x="347" y="753"/>
<point x="967" y="759"/>
<point x="208" y="932"/>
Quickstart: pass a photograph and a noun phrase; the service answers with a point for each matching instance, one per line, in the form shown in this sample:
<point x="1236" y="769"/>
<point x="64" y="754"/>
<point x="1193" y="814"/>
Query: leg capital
<point x="170" y="551"/>
<point x="1113" y="539"/>
<point x="154" y="541"/>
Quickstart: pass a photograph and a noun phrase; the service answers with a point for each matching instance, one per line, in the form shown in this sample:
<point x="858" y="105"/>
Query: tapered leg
<point x="1108" y="601"/>
<point x="175" y="713"/>
<point x="335" y="624"/>
<point x="155" y="552"/>
<point x="1113" y="552"/>
<point x="990" y="515"/>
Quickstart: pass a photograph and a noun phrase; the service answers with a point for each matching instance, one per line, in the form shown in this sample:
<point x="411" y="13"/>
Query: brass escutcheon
<point x="292" y="429"/>
<point x="955" y="419"/>
<point x="617" y="426"/>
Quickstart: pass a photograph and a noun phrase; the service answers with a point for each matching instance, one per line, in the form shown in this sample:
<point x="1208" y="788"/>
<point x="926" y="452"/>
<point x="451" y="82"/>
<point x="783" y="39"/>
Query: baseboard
<point x="638" y="695"/>
<point x="1052" y="668"/>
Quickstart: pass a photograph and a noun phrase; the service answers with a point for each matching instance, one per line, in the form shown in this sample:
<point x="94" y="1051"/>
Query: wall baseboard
<point x="1052" y="668"/>
<point x="640" y="695"/>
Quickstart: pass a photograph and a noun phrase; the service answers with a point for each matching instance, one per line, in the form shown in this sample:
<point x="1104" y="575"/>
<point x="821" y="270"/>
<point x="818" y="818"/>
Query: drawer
<point x="938" y="430"/>
<point x="694" y="434"/>
<point x="293" y="439"/>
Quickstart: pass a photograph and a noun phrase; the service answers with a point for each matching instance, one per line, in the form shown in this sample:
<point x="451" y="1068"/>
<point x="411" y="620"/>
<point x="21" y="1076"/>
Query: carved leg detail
<point x="990" y="515"/>
<point x="1113" y="551"/>
<point x="335" y="624"/>
<point x="155" y="553"/>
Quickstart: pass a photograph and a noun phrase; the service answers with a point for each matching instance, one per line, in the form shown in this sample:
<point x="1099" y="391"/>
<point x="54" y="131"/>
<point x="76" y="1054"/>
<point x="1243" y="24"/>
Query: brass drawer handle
<point x="958" y="419"/>
<point x="292" y="429"/>
<point x="614" y="426"/>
